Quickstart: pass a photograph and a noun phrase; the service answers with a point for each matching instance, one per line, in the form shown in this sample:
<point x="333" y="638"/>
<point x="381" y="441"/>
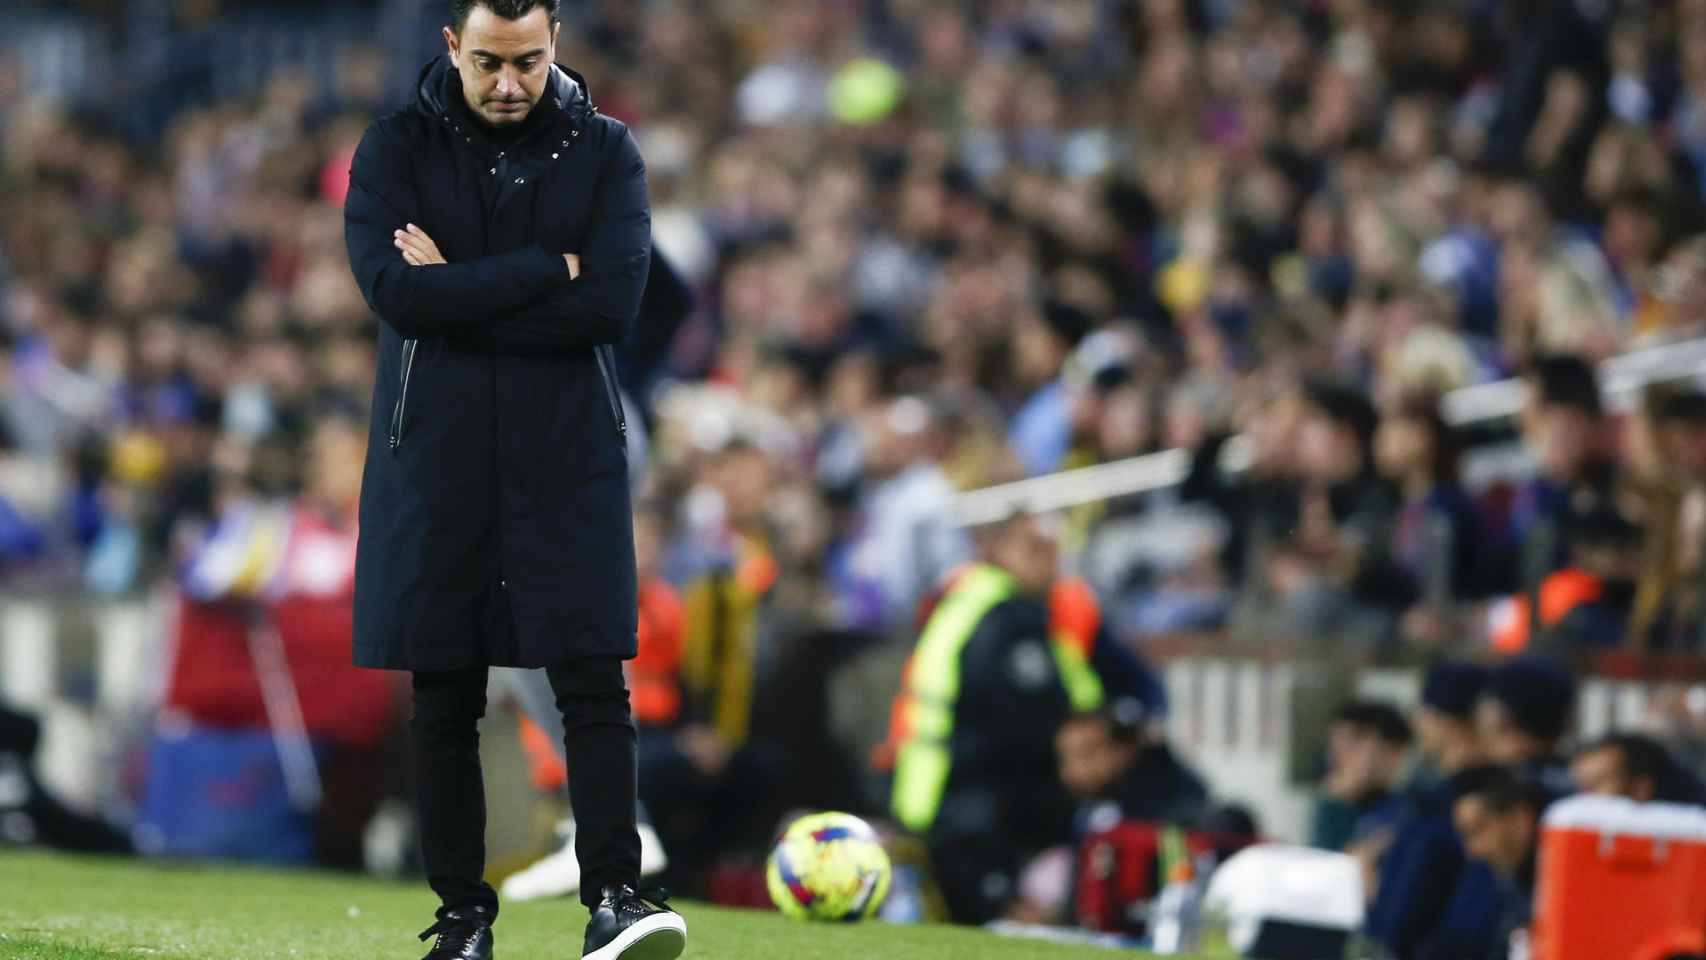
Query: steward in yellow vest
<point x="987" y="688"/>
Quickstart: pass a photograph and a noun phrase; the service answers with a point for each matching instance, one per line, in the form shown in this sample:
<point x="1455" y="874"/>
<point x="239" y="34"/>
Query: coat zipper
<point x="409" y="347"/>
<point x="607" y="374"/>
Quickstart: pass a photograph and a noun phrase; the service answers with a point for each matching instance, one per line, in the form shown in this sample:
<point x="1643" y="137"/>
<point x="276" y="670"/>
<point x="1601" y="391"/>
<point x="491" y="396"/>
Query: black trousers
<point x="450" y="793"/>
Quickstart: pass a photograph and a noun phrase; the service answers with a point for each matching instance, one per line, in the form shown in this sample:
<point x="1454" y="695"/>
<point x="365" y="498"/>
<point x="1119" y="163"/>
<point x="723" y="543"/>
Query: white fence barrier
<point x="89" y="671"/>
<point x="1234" y="720"/>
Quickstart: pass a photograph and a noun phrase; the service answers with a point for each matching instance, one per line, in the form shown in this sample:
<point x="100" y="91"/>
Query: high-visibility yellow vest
<point x="933" y="688"/>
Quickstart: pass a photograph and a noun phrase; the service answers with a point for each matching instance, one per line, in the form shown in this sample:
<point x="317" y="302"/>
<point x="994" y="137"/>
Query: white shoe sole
<point x="653" y="859"/>
<point x="556" y="875"/>
<point x="559" y="874"/>
<point x="661" y="936"/>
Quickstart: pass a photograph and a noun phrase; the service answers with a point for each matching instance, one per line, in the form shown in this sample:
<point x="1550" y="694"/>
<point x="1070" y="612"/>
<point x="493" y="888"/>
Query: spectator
<point x="1637" y="767"/>
<point x="1366" y="748"/>
<point x="22" y="538"/>
<point x="1437" y="528"/>
<point x="906" y="538"/>
<point x="1525" y="714"/>
<point x="1588" y="604"/>
<point x="1445" y="720"/>
<point x="1497" y="813"/>
<point x="1679" y="291"/>
<point x="1423" y="889"/>
<point x="1655" y="485"/>
<point x="709" y="776"/>
<point x="1042" y="429"/>
<point x="1322" y="579"/>
<point x="1162" y="571"/>
<point x="1669" y="612"/>
<point x="1139" y="808"/>
<point x="1343" y="499"/>
<point x="1118" y="756"/>
<point x="1563" y="429"/>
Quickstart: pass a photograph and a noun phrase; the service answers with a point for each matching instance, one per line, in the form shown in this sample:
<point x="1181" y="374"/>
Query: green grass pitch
<point x="69" y="908"/>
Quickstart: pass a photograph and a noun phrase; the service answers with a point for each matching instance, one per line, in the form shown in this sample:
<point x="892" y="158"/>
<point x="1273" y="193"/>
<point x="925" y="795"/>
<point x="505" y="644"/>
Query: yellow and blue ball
<point x="829" y="867"/>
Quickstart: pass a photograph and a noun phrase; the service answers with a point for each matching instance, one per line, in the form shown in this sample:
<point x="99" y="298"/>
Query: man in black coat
<point x="500" y="227"/>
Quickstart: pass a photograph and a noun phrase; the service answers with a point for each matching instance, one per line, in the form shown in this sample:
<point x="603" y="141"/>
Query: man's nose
<point x="508" y="81"/>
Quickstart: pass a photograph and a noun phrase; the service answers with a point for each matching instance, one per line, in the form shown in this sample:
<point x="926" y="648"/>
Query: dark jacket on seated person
<point x="1161" y="788"/>
<point x="1426" y="881"/>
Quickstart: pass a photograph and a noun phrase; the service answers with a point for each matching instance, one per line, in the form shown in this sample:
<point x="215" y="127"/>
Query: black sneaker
<point x="634" y="925"/>
<point x="463" y="934"/>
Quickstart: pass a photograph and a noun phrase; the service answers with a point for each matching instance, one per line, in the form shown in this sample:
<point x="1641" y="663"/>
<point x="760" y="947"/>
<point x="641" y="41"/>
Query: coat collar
<point x="568" y="96"/>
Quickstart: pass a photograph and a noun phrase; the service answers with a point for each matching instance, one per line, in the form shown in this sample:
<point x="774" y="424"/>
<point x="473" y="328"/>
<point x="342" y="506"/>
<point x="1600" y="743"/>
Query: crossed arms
<point x="530" y="299"/>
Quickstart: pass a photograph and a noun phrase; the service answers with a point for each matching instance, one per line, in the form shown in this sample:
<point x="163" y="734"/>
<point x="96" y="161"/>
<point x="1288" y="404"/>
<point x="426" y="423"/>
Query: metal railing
<point x="1621" y="379"/>
<point x="1242" y="722"/>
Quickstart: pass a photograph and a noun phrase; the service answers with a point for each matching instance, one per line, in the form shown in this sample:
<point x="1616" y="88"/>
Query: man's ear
<point x="556" y="29"/>
<point x="452" y="47"/>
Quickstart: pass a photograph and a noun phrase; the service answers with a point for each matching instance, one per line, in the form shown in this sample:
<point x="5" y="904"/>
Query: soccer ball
<point x="829" y="866"/>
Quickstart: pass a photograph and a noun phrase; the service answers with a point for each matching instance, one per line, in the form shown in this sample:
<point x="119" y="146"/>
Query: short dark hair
<point x="1122" y="721"/>
<point x="1644" y="757"/>
<point x="1686" y="406"/>
<point x="1348" y="407"/>
<point x="1641" y="756"/>
<point x="1537" y="691"/>
<point x="1453" y="687"/>
<point x="1500" y="789"/>
<point x="1381" y="719"/>
<point x="1603" y="528"/>
<point x="1565" y="380"/>
<point x="1445" y="457"/>
<point x="507" y="9"/>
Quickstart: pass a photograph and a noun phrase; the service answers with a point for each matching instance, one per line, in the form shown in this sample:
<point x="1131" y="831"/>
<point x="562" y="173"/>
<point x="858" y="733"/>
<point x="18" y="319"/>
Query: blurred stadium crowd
<point x="929" y="247"/>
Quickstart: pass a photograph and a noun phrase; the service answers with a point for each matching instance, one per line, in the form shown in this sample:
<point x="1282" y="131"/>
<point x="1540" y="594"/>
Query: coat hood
<point x="567" y="94"/>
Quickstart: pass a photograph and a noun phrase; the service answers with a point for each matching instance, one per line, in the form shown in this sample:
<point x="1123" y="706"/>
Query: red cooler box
<point x="1620" y="880"/>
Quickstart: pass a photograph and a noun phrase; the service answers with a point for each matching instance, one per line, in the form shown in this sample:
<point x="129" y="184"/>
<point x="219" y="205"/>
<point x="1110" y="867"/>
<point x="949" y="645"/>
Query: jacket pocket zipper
<point x="606" y="372"/>
<point x="409" y="347"/>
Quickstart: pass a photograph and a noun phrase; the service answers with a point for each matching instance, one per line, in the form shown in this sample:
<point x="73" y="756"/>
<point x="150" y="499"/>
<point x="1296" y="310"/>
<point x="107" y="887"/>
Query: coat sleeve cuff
<point x="551" y="267"/>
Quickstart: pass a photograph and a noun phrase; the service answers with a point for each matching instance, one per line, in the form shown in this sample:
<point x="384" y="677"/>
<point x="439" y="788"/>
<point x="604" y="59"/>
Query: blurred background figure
<point x="985" y="692"/>
<point x="905" y="538"/>
<point x="1636" y="767"/>
<point x="1498" y="813"/>
<point x="1523" y="716"/>
<point x="1563" y="429"/>
<point x="1119" y="757"/>
<point x="1423" y="890"/>
<point x="1367" y="746"/>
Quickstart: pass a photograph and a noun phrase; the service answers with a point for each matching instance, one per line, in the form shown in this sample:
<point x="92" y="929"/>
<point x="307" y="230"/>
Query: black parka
<point x="495" y="518"/>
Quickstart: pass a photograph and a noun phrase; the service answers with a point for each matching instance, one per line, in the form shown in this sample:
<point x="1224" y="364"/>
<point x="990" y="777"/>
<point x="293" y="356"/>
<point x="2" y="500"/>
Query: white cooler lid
<point x="1624" y="817"/>
<point x="1273" y="881"/>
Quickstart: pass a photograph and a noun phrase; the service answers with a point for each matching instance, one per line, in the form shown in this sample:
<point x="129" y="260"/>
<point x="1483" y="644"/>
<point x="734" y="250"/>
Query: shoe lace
<point x="645" y="900"/>
<point x="454" y="934"/>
